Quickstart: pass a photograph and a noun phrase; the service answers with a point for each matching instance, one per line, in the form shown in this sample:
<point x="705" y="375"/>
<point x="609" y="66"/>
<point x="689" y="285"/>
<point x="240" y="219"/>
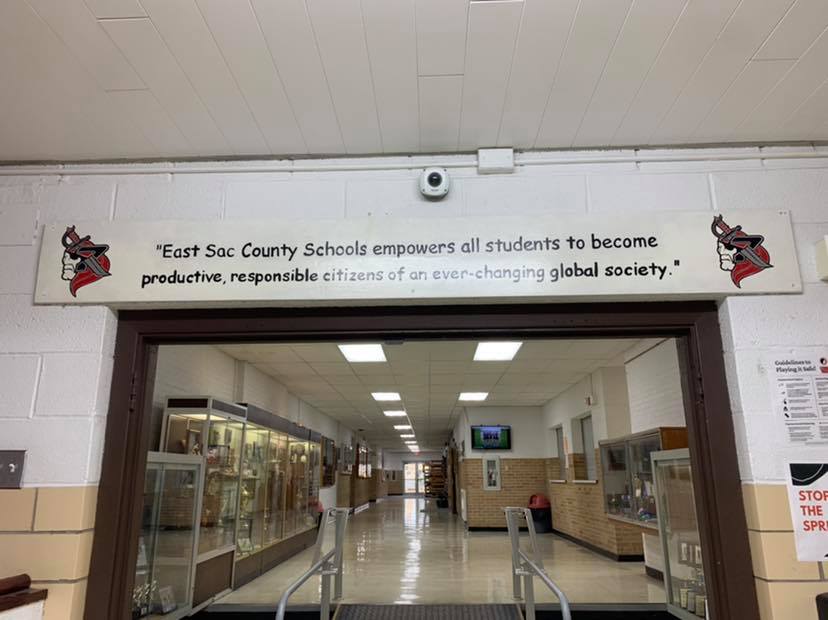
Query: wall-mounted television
<point x="494" y="437"/>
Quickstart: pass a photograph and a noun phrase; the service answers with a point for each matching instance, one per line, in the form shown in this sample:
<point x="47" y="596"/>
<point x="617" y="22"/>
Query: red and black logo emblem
<point x="84" y="262"/>
<point x="741" y="254"/>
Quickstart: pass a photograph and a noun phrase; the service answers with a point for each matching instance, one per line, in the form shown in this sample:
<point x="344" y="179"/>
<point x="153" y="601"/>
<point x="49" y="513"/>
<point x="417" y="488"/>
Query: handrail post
<point x="514" y="537"/>
<point x="339" y="543"/>
<point x="533" y="538"/>
<point x="529" y="589"/>
<point x="325" y="603"/>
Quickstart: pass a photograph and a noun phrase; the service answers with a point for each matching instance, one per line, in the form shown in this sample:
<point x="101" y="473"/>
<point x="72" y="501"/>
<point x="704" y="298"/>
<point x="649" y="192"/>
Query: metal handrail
<point x="529" y="568"/>
<point x="327" y="565"/>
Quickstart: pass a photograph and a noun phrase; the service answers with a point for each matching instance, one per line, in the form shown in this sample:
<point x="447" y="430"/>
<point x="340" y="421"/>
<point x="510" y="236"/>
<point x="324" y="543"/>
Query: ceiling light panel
<point x="363" y="352"/>
<point x="386" y="396"/>
<point x="407" y="436"/>
<point x="496" y="351"/>
<point x="402" y="427"/>
<point x="473" y="396"/>
<point x="395" y="413"/>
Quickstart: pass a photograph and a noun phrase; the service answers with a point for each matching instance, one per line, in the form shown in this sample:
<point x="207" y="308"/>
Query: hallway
<point x="405" y="550"/>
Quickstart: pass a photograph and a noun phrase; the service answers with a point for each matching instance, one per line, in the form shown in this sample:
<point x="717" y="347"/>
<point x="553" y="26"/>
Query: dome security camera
<point x="434" y="183"/>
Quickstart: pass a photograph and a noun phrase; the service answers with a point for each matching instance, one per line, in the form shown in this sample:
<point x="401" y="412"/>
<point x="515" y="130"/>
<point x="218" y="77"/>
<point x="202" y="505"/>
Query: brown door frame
<point x="718" y="490"/>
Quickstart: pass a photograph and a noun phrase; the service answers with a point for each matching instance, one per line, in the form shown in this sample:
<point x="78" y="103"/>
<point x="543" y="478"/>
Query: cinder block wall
<point x="56" y="361"/>
<point x="519" y="480"/>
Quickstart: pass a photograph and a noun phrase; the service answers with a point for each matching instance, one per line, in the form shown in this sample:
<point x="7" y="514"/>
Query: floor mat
<point x="428" y="612"/>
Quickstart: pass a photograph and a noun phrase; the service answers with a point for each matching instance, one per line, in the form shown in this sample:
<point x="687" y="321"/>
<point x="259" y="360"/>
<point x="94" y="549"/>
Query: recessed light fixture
<point x="402" y="427"/>
<point x="414" y="448"/>
<point x="395" y="413"/>
<point x="496" y="351"/>
<point x="407" y="436"/>
<point x="474" y="396"/>
<point x="386" y="396"/>
<point x="363" y="352"/>
<point x="411" y="443"/>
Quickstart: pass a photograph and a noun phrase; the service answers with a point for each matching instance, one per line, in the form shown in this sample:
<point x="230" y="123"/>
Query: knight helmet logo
<point x="741" y="254"/>
<point x="84" y="262"/>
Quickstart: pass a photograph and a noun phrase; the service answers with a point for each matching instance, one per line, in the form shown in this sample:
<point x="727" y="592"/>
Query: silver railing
<point x="327" y="565"/>
<point x="529" y="567"/>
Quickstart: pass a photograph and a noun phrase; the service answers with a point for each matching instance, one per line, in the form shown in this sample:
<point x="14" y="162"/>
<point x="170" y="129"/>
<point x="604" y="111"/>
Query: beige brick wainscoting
<point x="46" y="532"/>
<point x="786" y="588"/>
<point x="520" y="478"/>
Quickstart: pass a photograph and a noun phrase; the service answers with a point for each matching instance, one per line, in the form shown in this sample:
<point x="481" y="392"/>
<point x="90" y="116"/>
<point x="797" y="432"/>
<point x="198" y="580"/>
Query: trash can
<point x="822" y="606"/>
<point x="541" y="513"/>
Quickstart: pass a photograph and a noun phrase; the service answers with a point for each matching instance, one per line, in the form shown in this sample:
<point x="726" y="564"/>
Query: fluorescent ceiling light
<point x="414" y="448"/>
<point x="363" y="352"/>
<point x="496" y="351"/>
<point x="411" y="443"/>
<point x="386" y="396"/>
<point x="396" y="413"/>
<point x="407" y="436"/>
<point x="474" y="396"/>
<point x="402" y="427"/>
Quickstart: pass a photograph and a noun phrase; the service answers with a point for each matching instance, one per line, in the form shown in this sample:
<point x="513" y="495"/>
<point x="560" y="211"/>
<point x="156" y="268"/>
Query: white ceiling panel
<point x="440" y="99"/>
<point x="147" y="53"/>
<point x="189" y="39"/>
<point x="390" y="32"/>
<point x="143" y="109"/>
<point x="812" y="113"/>
<point x="744" y="33"/>
<point x="696" y="30"/>
<point x="801" y="81"/>
<point x="240" y="39"/>
<point x="593" y="36"/>
<point x="798" y="29"/>
<point x="109" y="9"/>
<point x="544" y="30"/>
<point x="757" y="78"/>
<point x="441" y="36"/>
<point x="340" y="37"/>
<point x="492" y="32"/>
<point x="292" y="45"/>
<point x="82" y="34"/>
<point x="645" y="31"/>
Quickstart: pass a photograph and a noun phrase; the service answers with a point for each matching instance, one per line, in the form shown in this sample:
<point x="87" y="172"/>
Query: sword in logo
<point x="738" y="239"/>
<point x="86" y="251"/>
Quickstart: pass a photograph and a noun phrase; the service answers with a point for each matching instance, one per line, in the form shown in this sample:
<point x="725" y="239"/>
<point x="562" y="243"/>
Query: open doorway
<point x="478" y="432"/>
<point x="414" y="479"/>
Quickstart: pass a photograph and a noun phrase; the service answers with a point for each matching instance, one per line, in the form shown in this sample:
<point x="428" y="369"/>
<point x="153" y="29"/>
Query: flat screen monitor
<point x="494" y="437"/>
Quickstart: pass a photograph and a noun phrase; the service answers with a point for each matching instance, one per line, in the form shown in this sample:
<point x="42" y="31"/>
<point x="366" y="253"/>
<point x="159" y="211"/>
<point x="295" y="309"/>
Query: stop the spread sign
<point x="808" y="495"/>
<point x="683" y="254"/>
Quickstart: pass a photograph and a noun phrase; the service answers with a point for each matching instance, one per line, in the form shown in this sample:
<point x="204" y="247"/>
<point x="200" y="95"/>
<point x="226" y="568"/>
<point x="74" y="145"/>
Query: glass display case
<point x="296" y="505"/>
<point x="314" y="477"/>
<point x="277" y="471"/>
<point x="628" y="475"/>
<point x="212" y="430"/>
<point x="328" y="462"/>
<point x="164" y="570"/>
<point x="253" y="490"/>
<point x="678" y="526"/>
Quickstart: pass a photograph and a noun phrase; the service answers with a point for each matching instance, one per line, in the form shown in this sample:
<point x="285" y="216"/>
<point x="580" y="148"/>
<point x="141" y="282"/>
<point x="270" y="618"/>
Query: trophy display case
<point x="297" y="486"/>
<point x="253" y="490"/>
<point x="628" y="474"/>
<point x="684" y="581"/>
<point x="277" y="471"/>
<point x="164" y="569"/>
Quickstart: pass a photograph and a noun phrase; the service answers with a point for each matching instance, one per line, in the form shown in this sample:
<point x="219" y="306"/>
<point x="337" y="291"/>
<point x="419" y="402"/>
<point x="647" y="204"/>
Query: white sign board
<point x="799" y="382"/>
<point x="642" y="255"/>
<point x="808" y="495"/>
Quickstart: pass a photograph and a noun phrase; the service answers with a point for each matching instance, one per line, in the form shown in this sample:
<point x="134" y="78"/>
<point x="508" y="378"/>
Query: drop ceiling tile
<point x="543" y="349"/>
<point x="322" y="352"/>
<point x="288" y="369"/>
<point x="407" y="351"/>
<point x="488" y="367"/>
<point x="328" y="369"/>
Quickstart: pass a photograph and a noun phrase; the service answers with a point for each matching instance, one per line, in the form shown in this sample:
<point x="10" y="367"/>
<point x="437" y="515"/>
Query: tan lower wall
<point x="363" y="490"/>
<point x="343" y="491"/>
<point x="47" y="533"/>
<point x="785" y="587"/>
<point x="520" y="478"/>
<point x="397" y="486"/>
<point x="380" y="485"/>
<point x="578" y="510"/>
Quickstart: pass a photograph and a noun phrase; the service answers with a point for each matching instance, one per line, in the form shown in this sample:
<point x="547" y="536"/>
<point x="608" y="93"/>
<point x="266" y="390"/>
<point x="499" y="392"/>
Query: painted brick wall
<point x="654" y="386"/>
<point x="56" y="362"/>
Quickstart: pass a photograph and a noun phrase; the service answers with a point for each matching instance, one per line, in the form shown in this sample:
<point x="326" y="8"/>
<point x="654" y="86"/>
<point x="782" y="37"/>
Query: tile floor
<point x="405" y="550"/>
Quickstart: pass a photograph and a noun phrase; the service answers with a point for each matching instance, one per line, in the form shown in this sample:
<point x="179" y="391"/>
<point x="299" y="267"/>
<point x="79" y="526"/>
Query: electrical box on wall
<point x="495" y="161"/>
<point x="11" y="468"/>
<point x="821" y="251"/>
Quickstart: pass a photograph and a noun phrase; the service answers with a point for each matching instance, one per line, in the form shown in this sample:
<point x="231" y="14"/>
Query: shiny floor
<point x="405" y="550"/>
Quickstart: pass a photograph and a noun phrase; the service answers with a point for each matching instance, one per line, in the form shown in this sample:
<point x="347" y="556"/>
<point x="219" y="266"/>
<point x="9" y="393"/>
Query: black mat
<point x="428" y="612"/>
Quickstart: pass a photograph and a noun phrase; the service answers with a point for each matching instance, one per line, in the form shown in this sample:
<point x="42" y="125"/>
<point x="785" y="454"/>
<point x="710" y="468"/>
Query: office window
<point x="589" y="447"/>
<point x="559" y="442"/>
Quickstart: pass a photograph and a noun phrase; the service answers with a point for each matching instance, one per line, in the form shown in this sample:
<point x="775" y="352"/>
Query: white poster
<point x="664" y="255"/>
<point x="808" y="494"/>
<point x="799" y="382"/>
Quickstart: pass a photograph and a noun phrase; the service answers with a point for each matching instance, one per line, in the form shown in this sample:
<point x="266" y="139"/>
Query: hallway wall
<point x="49" y="352"/>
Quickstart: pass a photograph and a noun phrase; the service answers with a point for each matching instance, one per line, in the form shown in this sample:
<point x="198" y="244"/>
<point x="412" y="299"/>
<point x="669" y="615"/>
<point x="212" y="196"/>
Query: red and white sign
<point x="808" y="494"/>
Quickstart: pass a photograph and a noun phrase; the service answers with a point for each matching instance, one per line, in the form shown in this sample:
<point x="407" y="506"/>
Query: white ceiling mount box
<point x="821" y="252"/>
<point x="495" y="161"/>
